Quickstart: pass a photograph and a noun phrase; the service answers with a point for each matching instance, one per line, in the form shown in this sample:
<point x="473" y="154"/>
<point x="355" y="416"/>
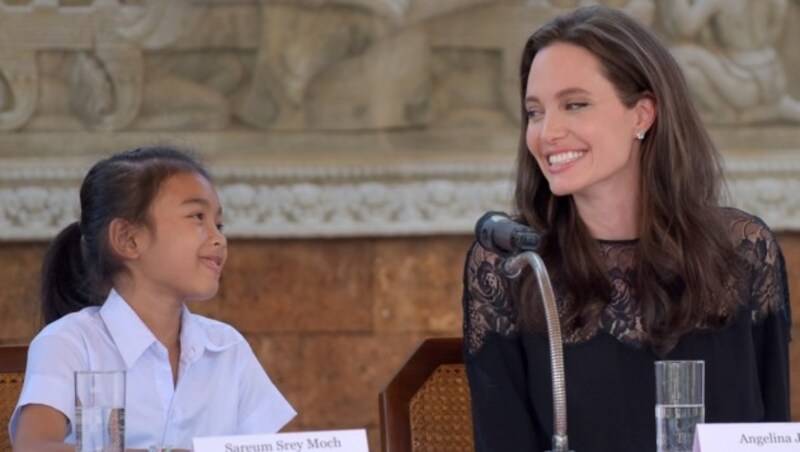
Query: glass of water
<point x="100" y="411"/>
<point x="680" y="403"/>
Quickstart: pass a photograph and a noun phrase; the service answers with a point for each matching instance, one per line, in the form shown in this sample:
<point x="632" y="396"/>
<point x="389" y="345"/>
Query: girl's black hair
<point x="79" y="266"/>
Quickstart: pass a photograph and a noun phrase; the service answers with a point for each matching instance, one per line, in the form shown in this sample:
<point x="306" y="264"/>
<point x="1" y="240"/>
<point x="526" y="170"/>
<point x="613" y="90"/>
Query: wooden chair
<point x="426" y="406"/>
<point x="12" y="372"/>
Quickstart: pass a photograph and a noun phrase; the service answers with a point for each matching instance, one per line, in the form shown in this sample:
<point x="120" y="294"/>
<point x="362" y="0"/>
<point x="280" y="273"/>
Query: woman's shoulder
<point x="765" y="276"/>
<point x="479" y="256"/>
<point x="752" y="238"/>
<point x="487" y="298"/>
<point x="483" y="274"/>
<point x="744" y="226"/>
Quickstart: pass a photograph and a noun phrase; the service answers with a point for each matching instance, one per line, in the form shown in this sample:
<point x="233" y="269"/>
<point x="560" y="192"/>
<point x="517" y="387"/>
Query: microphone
<point x="497" y="232"/>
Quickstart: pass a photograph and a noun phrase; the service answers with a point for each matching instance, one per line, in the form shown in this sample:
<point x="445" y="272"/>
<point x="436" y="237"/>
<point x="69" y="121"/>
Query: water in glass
<point x="99" y="429"/>
<point x="675" y="425"/>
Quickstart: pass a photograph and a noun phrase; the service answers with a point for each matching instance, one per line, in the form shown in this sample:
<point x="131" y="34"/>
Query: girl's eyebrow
<point x="202" y="201"/>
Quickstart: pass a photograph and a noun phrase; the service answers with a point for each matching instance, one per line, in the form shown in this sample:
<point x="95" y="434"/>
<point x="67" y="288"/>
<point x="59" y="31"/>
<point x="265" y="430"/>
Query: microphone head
<point x="497" y="232"/>
<point x="484" y="230"/>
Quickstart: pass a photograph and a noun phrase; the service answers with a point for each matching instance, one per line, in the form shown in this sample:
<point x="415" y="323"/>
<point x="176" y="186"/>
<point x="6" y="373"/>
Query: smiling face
<point x="183" y="250"/>
<point x="579" y="132"/>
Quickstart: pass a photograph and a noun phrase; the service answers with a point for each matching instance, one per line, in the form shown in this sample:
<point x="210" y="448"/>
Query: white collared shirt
<point x="221" y="390"/>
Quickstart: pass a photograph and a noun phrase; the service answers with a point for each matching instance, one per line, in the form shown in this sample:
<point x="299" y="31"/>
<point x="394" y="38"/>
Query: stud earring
<point x="640" y="135"/>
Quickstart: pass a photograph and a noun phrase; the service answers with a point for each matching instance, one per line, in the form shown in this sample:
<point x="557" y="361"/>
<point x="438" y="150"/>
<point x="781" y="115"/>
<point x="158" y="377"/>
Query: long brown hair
<point x="683" y="245"/>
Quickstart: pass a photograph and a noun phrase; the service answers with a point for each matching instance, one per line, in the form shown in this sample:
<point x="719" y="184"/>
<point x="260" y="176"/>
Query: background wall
<point x="331" y="320"/>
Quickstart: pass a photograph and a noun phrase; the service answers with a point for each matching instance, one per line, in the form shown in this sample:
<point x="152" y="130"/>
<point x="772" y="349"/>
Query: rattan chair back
<point x="426" y="406"/>
<point x="440" y="414"/>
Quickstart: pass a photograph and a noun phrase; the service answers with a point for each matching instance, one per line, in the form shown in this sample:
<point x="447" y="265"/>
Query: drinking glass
<point x="100" y="411"/>
<point x="680" y="403"/>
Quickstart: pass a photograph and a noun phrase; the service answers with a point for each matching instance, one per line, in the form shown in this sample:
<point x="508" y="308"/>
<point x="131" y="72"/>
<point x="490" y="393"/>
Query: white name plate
<point x="322" y="441"/>
<point x="765" y="436"/>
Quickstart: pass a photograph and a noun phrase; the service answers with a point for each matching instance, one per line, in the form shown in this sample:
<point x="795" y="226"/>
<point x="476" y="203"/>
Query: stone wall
<point x="332" y="320"/>
<point x="351" y="117"/>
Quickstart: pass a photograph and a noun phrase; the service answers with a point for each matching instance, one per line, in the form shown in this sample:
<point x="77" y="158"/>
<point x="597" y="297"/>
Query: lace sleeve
<point x="755" y="243"/>
<point x="487" y="303"/>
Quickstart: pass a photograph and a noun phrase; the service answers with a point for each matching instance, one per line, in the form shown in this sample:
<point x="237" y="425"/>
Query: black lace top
<point x="610" y="379"/>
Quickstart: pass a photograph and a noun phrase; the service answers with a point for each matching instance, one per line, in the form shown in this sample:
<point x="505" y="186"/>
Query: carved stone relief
<point x="354" y="80"/>
<point x="727" y="51"/>
<point x="309" y="202"/>
<point x="338" y="64"/>
<point x="104" y="66"/>
<point x="382" y="200"/>
<point x="644" y="10"/>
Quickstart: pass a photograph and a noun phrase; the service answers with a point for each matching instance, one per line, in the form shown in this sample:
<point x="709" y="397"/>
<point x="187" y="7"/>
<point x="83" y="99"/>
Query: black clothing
<point x="610" y="377"/>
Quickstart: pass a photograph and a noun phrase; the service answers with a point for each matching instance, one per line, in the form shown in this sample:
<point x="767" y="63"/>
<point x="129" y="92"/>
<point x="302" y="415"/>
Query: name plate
<point x="322" y="441"/>
<point x="775" y="436"/>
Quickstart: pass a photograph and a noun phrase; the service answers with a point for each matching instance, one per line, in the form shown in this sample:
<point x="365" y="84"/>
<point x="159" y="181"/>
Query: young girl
<point x="114" y="289"/>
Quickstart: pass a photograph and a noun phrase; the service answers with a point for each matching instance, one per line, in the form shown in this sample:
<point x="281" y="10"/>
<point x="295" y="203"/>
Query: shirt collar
<point x="130" y="334"/>
<point x="193" y="337"/>
<point x="198" y="334"/>
<point x="132" y="337"/>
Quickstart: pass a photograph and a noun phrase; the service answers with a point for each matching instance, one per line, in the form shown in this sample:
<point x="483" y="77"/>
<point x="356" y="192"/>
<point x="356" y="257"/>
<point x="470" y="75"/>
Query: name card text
<point x="320" y="441"/>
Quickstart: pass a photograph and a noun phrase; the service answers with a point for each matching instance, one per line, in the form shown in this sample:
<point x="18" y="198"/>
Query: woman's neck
<point x="612" y="217"/>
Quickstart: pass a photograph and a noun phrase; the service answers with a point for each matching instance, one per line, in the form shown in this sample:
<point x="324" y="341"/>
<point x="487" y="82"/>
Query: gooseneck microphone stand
<point x="497" y="232"/>
<point x="512" y="267"/>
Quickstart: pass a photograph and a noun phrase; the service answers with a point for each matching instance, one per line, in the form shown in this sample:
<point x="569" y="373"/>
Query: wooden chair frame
<point x="394" y="401"/>
<point x="13" y="359"/>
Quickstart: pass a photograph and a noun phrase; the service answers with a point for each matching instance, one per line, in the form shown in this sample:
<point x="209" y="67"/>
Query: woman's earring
<point x="640" y="135"/>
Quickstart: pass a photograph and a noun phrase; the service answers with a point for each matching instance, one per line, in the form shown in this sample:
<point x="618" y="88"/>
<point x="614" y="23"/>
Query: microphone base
<point x="560" y="444"/>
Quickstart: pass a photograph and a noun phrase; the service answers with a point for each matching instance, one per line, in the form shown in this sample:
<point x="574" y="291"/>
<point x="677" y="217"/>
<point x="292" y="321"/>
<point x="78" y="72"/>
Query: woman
<point x="617" y="172"/>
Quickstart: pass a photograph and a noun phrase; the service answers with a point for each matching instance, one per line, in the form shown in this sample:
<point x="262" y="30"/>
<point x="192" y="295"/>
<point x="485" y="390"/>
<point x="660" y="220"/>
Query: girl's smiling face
<point x="184" y="249"/>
